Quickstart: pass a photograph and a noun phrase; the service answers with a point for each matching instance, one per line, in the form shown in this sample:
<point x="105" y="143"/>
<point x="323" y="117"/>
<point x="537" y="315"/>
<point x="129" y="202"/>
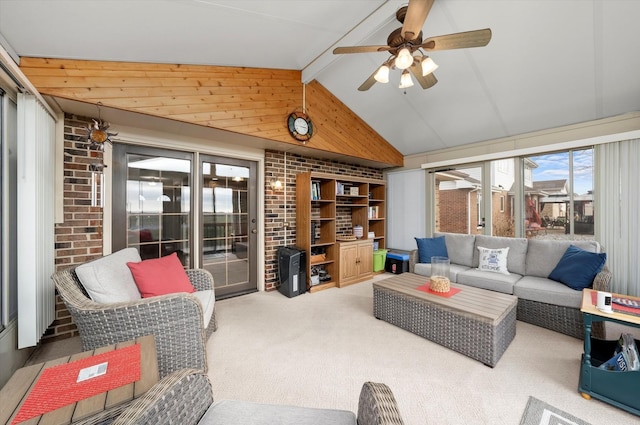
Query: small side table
<point x="15" y="392"/>
<point x="620" y="389"/>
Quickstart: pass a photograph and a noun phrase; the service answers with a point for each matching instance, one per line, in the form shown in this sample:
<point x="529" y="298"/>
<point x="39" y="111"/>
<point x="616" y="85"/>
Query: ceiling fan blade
<point x="426" y="81"/>
<point x="368" y="82"/>
<point x="414" y="20"/>
<point x="359" y="49"/>
<point x="460" y="40"/>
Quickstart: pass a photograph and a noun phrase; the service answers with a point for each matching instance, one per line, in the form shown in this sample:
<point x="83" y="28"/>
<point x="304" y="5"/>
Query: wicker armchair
<point x="184" y="397"/>
<point x="176" y="321"/>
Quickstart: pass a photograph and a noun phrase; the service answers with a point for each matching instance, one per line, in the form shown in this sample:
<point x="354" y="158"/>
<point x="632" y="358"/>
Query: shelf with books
<point x="327" y="204"/>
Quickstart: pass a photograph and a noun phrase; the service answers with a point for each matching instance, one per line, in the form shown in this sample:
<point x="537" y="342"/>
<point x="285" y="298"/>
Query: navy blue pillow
<point x="431" y="247"/>
<point x="577" y="268"/>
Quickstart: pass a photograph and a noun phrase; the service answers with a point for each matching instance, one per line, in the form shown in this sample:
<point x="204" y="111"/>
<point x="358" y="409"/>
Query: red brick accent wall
<point x="275" y="234"/>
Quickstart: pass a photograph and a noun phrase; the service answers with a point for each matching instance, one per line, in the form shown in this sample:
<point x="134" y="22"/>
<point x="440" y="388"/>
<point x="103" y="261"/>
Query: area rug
<point x="538" y="412"/>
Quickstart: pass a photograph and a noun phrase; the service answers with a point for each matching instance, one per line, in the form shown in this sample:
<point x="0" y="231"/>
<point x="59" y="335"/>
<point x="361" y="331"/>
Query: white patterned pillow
<point x="493" y="260"/>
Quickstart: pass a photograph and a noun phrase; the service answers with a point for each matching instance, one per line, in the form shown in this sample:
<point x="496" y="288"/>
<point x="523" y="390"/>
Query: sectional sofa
<point x="529" y="263"/>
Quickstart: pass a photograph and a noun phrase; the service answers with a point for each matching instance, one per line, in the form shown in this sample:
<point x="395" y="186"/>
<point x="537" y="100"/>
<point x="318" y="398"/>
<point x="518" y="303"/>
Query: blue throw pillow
<point x="431" y="247"/>
<point x="577" y="268"/>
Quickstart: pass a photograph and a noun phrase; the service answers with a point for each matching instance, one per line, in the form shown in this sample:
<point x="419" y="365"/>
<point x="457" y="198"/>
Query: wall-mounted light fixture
<point x="276" y="184"/>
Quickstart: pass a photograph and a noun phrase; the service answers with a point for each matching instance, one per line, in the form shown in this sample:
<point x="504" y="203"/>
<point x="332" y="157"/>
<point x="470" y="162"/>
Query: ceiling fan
<point x="407" y="40"/>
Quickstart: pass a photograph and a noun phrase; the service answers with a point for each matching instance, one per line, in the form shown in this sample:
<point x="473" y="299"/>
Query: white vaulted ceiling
<point x="549" y="63"/>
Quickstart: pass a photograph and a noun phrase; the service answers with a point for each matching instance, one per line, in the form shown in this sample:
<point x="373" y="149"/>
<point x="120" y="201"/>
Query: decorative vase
<point x="440" y="274"/>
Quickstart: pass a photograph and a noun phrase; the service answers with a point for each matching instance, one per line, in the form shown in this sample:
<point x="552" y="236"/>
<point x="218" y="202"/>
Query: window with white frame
<point x="8" y="201"/>
<point x="2" y="284"/>
<point x="554" y="198"/>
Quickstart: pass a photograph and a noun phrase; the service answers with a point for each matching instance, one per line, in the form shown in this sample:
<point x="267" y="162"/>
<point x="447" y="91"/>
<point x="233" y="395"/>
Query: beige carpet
<point x="317" y="349"/>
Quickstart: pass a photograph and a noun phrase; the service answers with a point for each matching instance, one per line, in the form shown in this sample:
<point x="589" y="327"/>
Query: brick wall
<point x="503" y="224"/>
<point x="275" y="205"/>
<point x="79" y="238"/>
<point x="452" y="211"/>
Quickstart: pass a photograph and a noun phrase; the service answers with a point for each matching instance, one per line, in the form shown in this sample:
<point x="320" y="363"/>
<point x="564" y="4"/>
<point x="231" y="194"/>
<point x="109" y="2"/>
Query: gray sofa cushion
<point x="460" y="248"/>
<point x="235" y="412"/>
<point x="547" y="291"/>
<point x="489" y="280"/>
<point x="543" y="255"/>
<point x="454" y="270"/>
<point x="517" y="251"/>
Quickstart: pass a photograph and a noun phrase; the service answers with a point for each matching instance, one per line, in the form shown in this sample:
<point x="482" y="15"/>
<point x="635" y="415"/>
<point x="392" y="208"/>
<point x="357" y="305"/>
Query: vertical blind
<point x="406" y="205"/>
<point x="617" y="181"/>
<point x="36" y="153"/>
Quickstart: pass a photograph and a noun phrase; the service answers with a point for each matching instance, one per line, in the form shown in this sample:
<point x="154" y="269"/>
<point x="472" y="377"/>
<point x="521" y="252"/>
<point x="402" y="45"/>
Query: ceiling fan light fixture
<point x="382" y="76"/>
<point x="404" y="59"/>
<point x="428" y="65"/>
<point x="405" y="80"/>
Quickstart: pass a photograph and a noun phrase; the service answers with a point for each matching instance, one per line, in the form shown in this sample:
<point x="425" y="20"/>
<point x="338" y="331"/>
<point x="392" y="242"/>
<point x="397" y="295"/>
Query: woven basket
<point x="440" y="284"/>
<point x="318" y="258"/>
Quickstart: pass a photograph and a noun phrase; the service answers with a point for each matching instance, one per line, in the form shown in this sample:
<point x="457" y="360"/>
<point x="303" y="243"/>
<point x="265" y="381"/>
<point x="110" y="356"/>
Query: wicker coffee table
<point x="475" y="322"/>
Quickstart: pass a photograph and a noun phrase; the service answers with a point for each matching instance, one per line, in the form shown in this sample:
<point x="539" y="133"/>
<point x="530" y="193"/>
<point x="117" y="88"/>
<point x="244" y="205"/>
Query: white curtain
<point x="617" y="186"/>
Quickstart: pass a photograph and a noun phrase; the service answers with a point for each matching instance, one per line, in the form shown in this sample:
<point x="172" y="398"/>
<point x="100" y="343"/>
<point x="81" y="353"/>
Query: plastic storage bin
<point x="397" y="263"/>
<point x="379" y="258"/>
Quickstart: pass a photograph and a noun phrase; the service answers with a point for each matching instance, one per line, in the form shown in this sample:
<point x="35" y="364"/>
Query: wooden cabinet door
<point x="348" y="262"/>
<point x="365" y="258"/>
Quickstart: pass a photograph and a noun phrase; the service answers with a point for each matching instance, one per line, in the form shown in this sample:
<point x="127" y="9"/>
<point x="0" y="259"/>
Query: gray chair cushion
<point x="489" y="280"/>
<point x="459" y="247"/>
<point x="516" y="260"/>
<point x="235" y="412"/>
<point x="547" y="291"/>
<point x="108" y="279"/>
<point x="544" y="255"/>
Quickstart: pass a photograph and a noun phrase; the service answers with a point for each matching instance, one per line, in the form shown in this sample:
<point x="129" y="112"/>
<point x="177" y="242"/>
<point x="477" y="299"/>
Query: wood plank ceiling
<point x="249" y="101"/>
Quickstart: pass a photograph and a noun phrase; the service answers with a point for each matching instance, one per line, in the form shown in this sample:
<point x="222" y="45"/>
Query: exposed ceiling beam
<point x="375" y="21"/>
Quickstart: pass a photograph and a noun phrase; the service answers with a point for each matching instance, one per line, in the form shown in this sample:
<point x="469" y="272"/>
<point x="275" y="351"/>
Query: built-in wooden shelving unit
<point x="318" y="195"/>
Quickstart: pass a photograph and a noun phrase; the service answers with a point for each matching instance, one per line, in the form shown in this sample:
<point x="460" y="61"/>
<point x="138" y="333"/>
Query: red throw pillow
<point x="160" y="276"/>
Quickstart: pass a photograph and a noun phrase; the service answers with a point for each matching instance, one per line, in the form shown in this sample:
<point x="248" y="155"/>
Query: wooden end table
<point x="15" y="392"/>
<point x="620" y="389"/>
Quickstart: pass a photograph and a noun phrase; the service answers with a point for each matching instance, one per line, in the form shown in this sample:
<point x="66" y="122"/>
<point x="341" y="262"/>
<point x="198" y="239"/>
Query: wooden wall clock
<point x="300" y="126"/>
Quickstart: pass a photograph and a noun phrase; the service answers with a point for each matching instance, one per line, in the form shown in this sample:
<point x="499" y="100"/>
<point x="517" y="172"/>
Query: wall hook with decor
<point x="97" y="134"/>
<point x="97" y="178"/>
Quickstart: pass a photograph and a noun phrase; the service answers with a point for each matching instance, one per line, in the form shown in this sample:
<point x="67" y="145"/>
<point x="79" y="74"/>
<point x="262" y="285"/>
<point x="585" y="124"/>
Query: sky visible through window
<point x="555" y="166"/>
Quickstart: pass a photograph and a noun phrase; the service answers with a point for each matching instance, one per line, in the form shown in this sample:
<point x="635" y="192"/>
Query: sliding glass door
<point x="215" y="229"/>
<point x="152" y="202"/>
<point x="229" y="223"/>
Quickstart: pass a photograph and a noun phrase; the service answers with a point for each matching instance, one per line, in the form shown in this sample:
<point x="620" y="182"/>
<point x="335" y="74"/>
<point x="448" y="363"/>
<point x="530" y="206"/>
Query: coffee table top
<point x="480" y="302"/>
